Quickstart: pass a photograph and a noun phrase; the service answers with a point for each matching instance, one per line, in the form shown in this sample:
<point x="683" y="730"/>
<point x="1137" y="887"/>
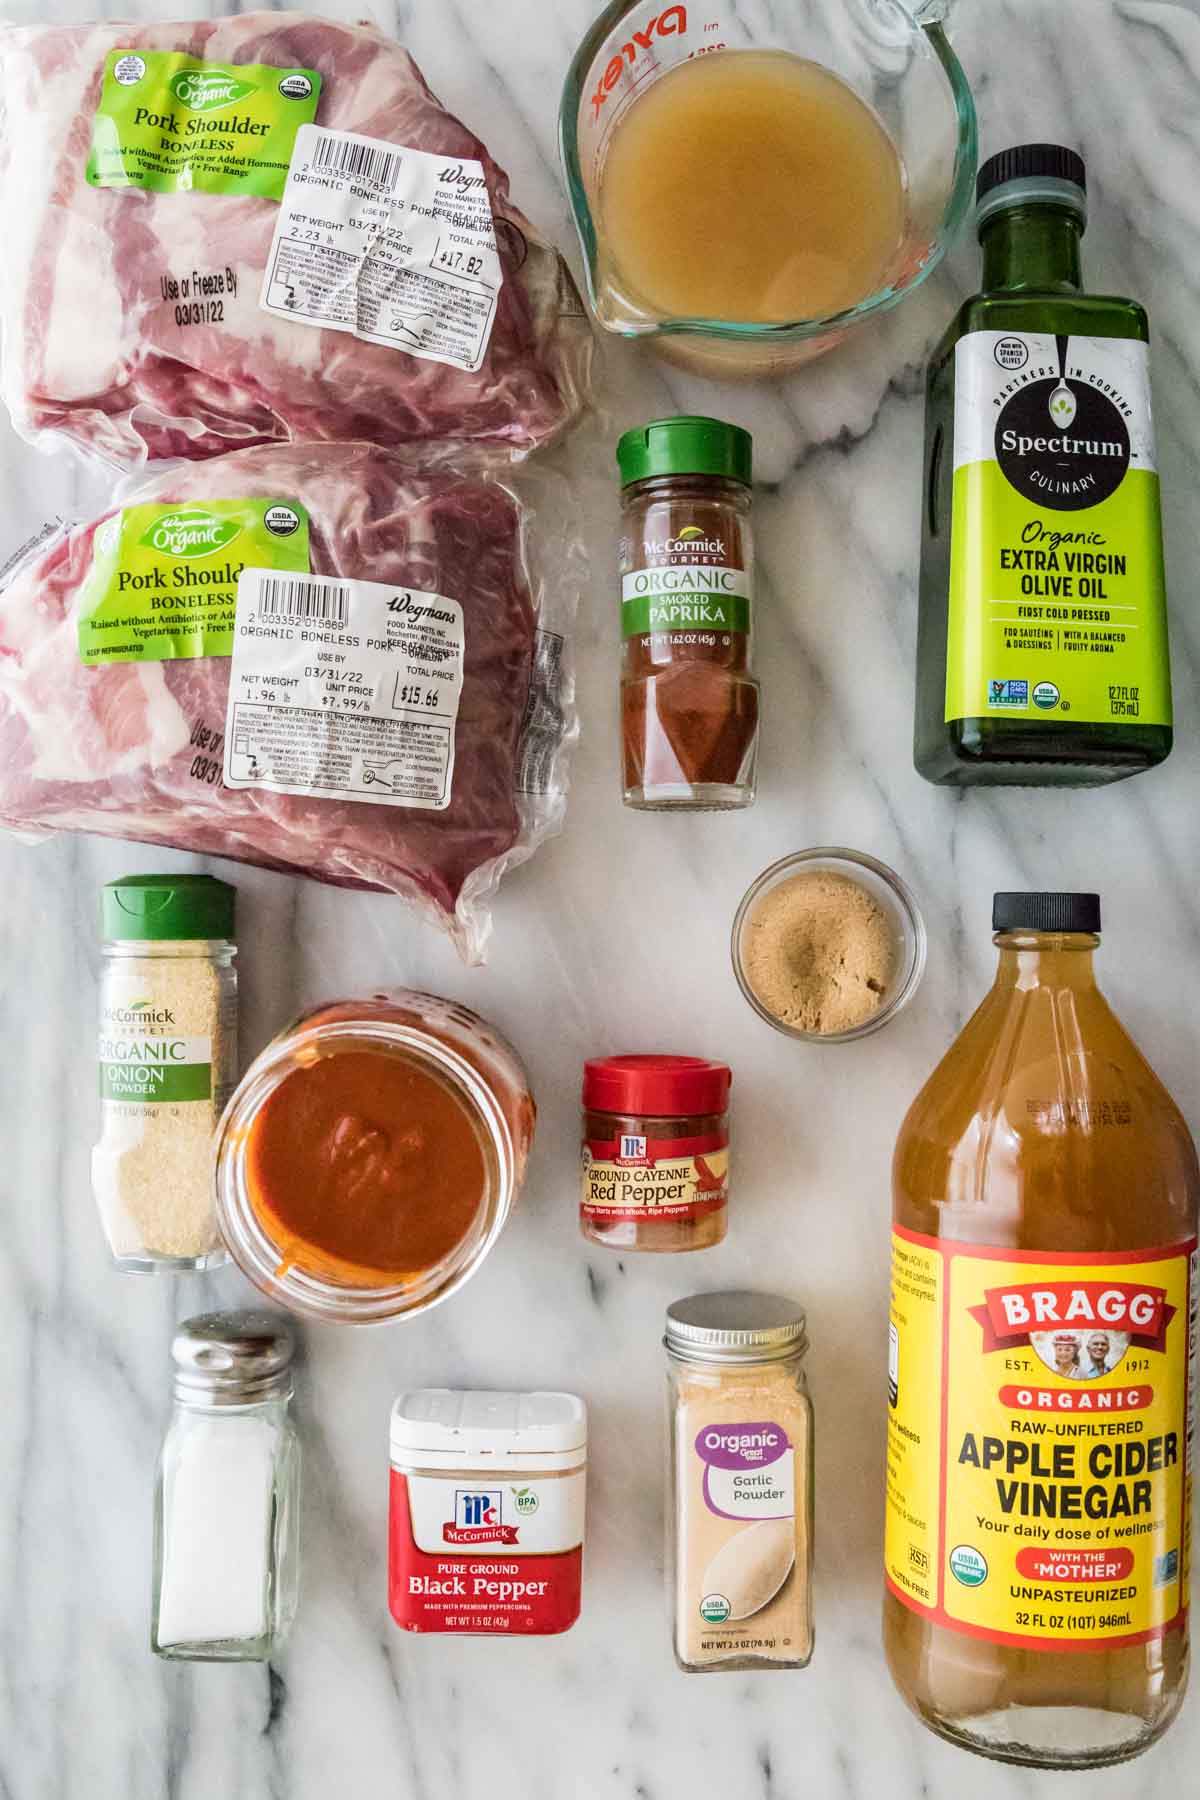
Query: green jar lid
<point x="686" y="446"/>
<point x="156" y="908"/>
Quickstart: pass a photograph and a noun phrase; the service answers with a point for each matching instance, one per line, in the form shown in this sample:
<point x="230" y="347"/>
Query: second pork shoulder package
<point x="239" y="231"/>
<point x="310" y="657"/>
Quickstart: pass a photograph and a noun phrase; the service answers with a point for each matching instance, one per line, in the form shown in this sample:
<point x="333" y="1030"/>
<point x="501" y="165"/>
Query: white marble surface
<point x="614" y="937"/>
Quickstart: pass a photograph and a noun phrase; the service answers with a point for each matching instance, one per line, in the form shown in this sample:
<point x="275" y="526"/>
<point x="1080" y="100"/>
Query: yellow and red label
<point x="632" y="1177"/>
<point x="1039" y="1462"/>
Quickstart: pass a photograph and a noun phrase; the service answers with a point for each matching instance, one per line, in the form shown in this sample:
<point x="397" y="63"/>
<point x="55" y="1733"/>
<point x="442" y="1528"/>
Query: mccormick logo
<point x="477" y="1518"/>
<point x="1010" y="1315"/>
<point x="190" y="532"/>
<point x="206" y="90"/>
<point x="670" y="23"/>
<point x="691" y="540"/>
<point x="138" y="1012"/>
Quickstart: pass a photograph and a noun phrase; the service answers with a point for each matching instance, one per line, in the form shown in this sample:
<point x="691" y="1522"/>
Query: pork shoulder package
<point x="247" y="230"/>
<point x="307" y="657"/>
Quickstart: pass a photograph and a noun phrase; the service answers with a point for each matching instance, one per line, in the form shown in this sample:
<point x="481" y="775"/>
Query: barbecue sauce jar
<point x="689" y="703"/>
<point x="655" y="1152"/>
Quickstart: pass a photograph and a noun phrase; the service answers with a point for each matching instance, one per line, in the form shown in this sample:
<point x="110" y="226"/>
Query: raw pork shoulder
<point x="92" y="347"/>
<point x="134" y="750"/>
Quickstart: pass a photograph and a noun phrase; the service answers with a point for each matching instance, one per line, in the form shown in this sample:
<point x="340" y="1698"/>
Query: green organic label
<point x="696" y="597"/>
<point x="150" y="1070"/>
<point x="153" y="1083"/>
<point x="1057" y="595"/>
<point x="171" y="123"/>
<point x="163" y="581"/>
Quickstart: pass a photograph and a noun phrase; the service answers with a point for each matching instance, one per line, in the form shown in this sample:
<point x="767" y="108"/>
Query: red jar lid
<point x="662" y="1086"/>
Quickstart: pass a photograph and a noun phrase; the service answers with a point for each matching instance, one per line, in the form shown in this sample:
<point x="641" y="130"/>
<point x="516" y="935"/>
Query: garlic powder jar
<point x="487" y="1512"/>
<point x="740" y="1551"/>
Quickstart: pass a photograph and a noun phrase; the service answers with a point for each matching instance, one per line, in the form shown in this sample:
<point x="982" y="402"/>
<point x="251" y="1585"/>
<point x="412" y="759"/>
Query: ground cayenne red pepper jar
<point x="655" y="1152"/>
<point x="689" y="704"/>
<point x="487" y="1512"/>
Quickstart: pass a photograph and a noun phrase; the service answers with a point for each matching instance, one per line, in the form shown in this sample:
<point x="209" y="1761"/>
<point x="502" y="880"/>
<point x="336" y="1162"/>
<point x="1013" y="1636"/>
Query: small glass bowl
<point x="887" y="889"/>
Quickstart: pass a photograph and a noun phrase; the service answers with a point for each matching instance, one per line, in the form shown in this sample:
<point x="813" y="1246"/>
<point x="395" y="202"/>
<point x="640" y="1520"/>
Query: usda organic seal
<point x="715" y="1609"/>
<point x="968" y="1566"/>
<point x="281" y="521"/>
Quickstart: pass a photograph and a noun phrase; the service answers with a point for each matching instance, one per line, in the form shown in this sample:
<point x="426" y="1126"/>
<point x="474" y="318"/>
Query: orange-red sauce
<point x="364" y="1169"/>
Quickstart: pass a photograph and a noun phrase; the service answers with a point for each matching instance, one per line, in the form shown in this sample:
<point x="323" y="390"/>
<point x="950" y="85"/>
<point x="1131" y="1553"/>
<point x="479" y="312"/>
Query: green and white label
<point x="163" y="581"/>
<point x="172" y="123"/>
<point x="692" y="597"/>
<point x="1057" y="594"/>
<point x="154" y="1070"/>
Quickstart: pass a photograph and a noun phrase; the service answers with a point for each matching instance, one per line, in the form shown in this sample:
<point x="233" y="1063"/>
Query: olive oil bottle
<point x="1042" y="647"/>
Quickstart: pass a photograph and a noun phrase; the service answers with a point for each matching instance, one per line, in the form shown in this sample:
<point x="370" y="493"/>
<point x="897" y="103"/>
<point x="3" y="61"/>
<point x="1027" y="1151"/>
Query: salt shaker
<point x="226" y="1550"/>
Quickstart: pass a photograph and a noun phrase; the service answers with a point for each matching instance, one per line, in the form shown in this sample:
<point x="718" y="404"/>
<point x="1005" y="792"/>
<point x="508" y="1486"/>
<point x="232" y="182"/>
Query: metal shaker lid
<point x="233" y="1359"/>
<point x="737" y="1326"/>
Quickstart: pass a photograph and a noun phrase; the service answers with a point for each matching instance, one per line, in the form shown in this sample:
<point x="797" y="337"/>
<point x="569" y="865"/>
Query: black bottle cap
<point x="1046" y="912"/>
<point x="1026" y="161"/>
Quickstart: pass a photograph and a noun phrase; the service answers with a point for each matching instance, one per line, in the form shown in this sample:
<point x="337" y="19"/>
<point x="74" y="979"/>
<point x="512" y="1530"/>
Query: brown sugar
<point x="819" y="952"/>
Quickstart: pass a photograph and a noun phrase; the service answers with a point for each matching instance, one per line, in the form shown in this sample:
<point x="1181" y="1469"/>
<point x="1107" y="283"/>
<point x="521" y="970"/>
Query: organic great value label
<point x="632" y="1177"/>
<point x="749" y="1470"/>
<point x="1039" y="1480"/>
<point x="172" y="123"/>
<point x="395" y="246"/>
<point x="481" y="1555"/>
<point x="344" y="689"/>
<point x="1057" y="594"/>
<point x="163" y="581"/>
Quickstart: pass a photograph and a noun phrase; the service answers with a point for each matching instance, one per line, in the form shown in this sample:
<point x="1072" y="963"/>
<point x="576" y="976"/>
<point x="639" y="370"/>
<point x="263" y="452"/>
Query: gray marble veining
<point x="615" y="936"/>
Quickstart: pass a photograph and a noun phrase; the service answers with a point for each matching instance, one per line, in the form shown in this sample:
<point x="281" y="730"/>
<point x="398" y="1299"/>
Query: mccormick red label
<point x="630" y="1177"/>
<point x="470" y="1556"/>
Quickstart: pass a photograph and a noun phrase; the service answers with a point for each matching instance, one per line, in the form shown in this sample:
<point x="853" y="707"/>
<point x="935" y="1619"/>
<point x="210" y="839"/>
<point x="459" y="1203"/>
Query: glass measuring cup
<point x="896" y="57"/>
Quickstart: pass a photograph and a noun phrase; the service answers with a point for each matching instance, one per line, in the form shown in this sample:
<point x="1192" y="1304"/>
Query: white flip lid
<point x="454" y="1427"/>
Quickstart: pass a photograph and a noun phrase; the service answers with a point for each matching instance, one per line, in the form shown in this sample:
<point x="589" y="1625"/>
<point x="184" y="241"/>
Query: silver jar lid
<point x="233" y="1359"/>
<point x="739" y="1326"/>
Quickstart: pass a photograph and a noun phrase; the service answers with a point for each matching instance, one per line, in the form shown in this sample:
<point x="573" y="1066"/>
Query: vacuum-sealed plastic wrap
<point x="310" y="657"/>
<point x="227" y="232"/>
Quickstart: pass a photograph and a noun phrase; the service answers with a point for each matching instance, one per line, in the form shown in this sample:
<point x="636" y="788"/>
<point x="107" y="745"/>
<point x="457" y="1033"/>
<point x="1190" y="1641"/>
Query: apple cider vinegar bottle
<point x="1041" y="1347"/>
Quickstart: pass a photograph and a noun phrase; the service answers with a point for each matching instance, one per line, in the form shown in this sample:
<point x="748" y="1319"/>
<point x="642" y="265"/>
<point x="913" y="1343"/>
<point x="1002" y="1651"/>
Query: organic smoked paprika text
<point x="1042" y="1323"/>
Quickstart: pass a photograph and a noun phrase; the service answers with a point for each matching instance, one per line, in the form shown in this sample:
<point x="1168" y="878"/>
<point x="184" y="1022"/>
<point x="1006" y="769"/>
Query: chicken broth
<point x="754" y="186"/>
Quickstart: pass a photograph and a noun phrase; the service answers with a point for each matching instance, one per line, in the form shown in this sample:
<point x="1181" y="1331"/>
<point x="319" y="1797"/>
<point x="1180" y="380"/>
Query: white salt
<point x="217" y="1516"/>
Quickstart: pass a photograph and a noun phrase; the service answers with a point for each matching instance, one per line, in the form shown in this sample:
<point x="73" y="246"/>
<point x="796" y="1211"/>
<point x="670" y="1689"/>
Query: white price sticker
<point x="346" y="689"/>
<point x="391" y="244"/>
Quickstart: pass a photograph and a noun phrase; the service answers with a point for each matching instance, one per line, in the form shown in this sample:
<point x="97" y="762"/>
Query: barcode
<point x="279" y="598"/>
<point x="365" y="162"/>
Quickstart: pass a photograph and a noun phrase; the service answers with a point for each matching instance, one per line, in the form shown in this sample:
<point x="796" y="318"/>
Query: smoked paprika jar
<point x="689" y="703"/>
<point x="655" y="1152"/>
